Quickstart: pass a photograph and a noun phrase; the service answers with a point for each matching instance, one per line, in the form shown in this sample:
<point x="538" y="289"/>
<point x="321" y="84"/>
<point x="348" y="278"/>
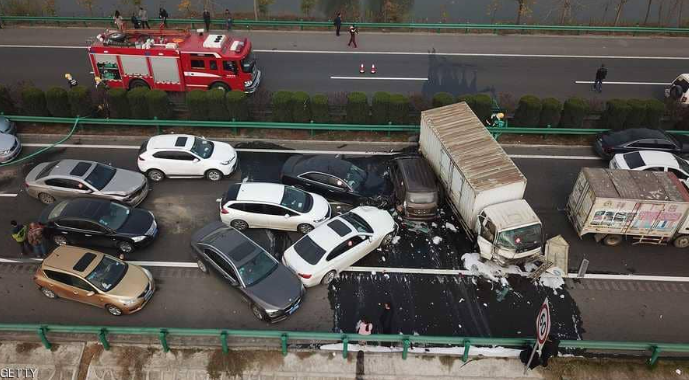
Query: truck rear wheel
<point x="612" y="240"/>
<point x="220" y="86"/>
<point x="681" y="241"/>
<point x="136" y="83"/>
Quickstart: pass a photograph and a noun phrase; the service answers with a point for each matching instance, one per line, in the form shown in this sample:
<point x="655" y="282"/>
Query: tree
<point x="566" y="11"/>
<point x="50" y="8"/>
<point x="263" y="6"/>
<point x="185" y="7"/>
<point x="307" y="6"/>
<point x="648" y="11"/>
<point x="679" y="14"/>
<point x="524" y="6"/>
<point x="88" y="4"/>
<point x="620" y="5"/>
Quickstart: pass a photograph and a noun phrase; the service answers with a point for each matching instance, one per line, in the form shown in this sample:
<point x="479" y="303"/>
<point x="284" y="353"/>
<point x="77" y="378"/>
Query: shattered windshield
<point x="521" y="239"/>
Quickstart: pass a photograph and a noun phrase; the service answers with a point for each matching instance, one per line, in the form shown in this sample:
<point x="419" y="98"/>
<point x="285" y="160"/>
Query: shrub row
<point x="217" y="105"/>
<point x="632" y="113"/>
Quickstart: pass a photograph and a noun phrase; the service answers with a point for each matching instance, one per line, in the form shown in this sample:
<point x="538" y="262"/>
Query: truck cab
<point x="679" y="90"/>
<point x="509" y="233"/>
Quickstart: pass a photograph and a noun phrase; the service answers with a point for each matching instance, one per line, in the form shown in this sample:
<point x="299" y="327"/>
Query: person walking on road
<point x="353" y="31"/>
<point x="162" y="15"/>
<point x="338" y="23"/>
<point x="19" y="232"/>
<point x="228" y="19"/>
<point x="207" y="19"/>
<point x="600" y="77"/>
<point x="119" y="22"/>
<point x="143" y="17"/>
<point x="35" y="238"/>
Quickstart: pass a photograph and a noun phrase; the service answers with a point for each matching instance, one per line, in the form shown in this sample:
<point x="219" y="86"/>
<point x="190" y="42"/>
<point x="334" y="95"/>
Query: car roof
<point x="657" y="158"/>
<point x="65" y="167"/>
<point x="88" y="208"/>
<point x="261" y="192"/>
<point x="634" y="134"/>
<point x="233" y="245"/>
<point x="172" y="141"/>
<point x="323" y="164"/>
<point x="416" y="173"/>
<point x="72" y="259"/>
<point x="327" y="237"/>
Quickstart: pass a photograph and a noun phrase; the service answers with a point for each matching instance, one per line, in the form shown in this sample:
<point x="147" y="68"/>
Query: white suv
<point x="186" y="156"/>
<point x="274" y="206"/>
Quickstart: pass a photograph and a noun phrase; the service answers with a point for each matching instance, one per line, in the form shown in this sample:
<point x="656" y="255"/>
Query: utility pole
<point x="256" y="10"/>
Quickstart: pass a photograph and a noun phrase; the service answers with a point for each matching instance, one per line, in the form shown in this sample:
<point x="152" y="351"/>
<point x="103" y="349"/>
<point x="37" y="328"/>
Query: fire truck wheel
<point x="136" y="83"/>
<point x="220" y="86"/>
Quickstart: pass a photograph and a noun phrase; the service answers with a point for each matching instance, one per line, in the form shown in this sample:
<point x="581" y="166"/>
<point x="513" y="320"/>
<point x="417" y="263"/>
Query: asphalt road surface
<point x="433" y="304"/>
<point x="414" y="63"/>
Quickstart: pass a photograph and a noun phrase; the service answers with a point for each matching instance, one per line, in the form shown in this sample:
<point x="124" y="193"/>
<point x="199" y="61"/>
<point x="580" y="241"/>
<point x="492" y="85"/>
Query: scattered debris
<point x="437" y="240"/>
<point x="451" y="227"/>
<point x="396" y="239"/>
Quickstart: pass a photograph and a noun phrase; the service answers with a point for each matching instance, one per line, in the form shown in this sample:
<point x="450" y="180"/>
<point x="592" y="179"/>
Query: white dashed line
<point x="543" y="156"/>
<point x="8" y="195"/>
<point x="629" y="83"/>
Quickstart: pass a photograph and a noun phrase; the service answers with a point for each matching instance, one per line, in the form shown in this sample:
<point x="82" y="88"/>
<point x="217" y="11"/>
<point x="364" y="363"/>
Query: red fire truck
<point x="174" y="60"/>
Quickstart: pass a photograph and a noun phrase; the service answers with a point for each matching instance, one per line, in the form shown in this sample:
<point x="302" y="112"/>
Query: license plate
<point x="294" y="308"/>
<point x="148" y="296"/>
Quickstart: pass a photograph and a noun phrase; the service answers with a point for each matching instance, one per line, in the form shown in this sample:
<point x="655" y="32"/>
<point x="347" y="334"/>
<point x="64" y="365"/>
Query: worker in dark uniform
<point x="71" y="81"/>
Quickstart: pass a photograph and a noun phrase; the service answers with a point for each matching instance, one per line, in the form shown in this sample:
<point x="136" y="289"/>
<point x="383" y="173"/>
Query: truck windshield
<point x="248" y="62"/>
<point x="521" y="239"/>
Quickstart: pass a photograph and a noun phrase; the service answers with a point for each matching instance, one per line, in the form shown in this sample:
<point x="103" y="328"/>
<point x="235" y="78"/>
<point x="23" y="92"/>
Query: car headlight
<point x="272" y="313"/>
<point x="248" y="83"/>
<point x="129" y="302"/>
<point x="321" y="219"/>
<point x="138" y="239"/>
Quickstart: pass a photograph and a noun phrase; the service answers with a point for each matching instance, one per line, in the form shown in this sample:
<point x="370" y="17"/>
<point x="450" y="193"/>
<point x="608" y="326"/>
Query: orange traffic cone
<point x="373" y="69"/>
<point x="361" y="69"/>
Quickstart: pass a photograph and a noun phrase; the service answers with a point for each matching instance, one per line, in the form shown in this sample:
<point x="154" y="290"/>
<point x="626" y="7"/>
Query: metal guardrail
<point x="655" y="349"/>
<point x="372" y="25"/>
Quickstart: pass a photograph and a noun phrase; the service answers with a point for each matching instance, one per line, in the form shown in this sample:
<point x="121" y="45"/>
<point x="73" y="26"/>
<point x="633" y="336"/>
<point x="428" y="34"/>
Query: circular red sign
<point x="543" y="323"/>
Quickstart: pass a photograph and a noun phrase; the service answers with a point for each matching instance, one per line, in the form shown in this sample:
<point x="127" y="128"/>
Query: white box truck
<point x="482" y="184"/>
<point x="649" y="207"/>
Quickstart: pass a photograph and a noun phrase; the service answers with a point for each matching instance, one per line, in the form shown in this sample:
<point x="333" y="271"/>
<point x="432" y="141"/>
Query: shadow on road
<point x="445" y="74"/>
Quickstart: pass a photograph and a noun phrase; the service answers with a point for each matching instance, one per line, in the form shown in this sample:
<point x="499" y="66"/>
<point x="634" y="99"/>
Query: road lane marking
<point x="167" y="264"/>
<point x="127" y="147"/>
<point x="629" y="83"/>
<point x="8" y="195"/>
<point x="544" y="156"/>
<point x="359" y="52"/>
<point x="380" y="78"/>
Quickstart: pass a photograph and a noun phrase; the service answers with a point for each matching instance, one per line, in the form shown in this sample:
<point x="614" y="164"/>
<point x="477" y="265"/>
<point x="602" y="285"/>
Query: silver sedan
<point x="10" y="147"/>
<point x="50" y="181"/>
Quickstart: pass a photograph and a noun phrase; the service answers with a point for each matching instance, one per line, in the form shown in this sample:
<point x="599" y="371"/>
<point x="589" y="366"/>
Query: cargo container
<point x="649" y="207"/>
<point x="482" y="184"/>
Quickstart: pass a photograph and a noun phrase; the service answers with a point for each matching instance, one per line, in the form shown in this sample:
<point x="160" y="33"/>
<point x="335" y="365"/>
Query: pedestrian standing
<point x="135" y="21"/>
<point x="207" y="19"/>
<point x="353" y="31"/>
<point x="119" y="22"/>
<point x="102" y="96"/>
<point x="228" y="19"/>
<point x="387" y="319"/>
<point x="35" y="238"/>
<point x="338" y="23"/>
<point x="19" y="235"/>
<point x="162" y="14"/>
<point x="143" y="17"/>
<point x="71" y="81"/>
<point x="600" y="77"/>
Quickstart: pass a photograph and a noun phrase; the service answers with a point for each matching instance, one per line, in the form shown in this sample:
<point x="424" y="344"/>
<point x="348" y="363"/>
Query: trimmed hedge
<point x="215" y="102"/>
<point x="399" y="109"/>
<point x="573" y="113"/>
<point x="159" y="105"/>
<point x="301" y="107"/>
<point x="551" y="109"/>
<point x="57" y="102"/>
<point x="468" y="99"/>
<point x="237" y="107"/>
<point x="137" y="100"/>
<point x="118" y="103"/>
<point x="528" y="112"/>
<point x="357" y="108"/>
<point x="282" y="106"/>
<point x="380" y="108"/>
<point x="483" y="107"/>
<point x="33" y="102"/>
<point x="655" y="109"/>
<point x="80" y="101"/>
<point x="198" y="105"/>
<point x="615" y="114"/>
<point x="6" y="103"/>
<point x="320" y="112"/>
<point x="637" y="113"/>
<point x="442" y="99"/>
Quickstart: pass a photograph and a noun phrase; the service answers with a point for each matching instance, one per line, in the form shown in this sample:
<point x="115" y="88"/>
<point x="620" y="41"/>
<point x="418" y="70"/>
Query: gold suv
<point x="96" y="279"/>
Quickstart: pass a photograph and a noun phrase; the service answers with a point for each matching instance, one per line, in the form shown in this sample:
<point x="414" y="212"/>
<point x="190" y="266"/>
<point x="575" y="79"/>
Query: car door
<point x="222" y="267"/>
<point x="61" y="188"/>
<point x="280" y="218"/>
<point x="84" y="292"/>
<point x="348" y="252"/>
<point x="71" y="229"/>
<point x="177" y="163"/>
<point x="60" y="284"/>
<point x="95" y="234"/>
<point x="254" y="214"/>
<point x="340" y="190"/>
<point x="315" y="182"/>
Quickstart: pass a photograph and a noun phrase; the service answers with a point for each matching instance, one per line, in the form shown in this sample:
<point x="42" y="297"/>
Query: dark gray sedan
<point x="50" y="181"/>
<point x="272" y="290"/>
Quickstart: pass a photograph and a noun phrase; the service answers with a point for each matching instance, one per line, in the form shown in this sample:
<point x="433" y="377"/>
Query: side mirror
<point x="91" y="293"/>
<point x="196" y="160"/>
<point x="286" y="216"/>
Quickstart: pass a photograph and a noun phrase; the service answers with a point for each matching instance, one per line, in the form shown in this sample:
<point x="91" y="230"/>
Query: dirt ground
<point x="614" y="369"/>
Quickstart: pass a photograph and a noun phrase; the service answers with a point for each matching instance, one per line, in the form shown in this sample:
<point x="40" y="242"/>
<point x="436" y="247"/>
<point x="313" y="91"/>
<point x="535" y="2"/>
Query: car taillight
<point x="306" y="276"/>
<point x="224" y="210"/>
<point x="26" y="184"/>
<point x="684" y="99"/>
<point x="141" y="158"/>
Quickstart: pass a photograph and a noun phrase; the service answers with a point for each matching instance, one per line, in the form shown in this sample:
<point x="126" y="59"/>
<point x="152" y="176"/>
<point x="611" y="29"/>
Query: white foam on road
<point x="628" y="83"/>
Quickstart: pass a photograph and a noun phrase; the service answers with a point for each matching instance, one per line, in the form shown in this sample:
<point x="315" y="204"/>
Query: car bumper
<point x="254" y="86"/>
<point x="12" y="154"/>
<point x="289" y="311"/>
<point x="142" y="302"/>
<point x="229" y="169"/>
<point x="598" y="147"/>
<point x="140" y="197"/>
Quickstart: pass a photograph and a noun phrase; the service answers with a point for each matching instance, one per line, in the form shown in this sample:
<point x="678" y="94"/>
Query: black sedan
<point x="98" y="222"/>
<point x="335" y="179"/>
<point x="610" y="143"/>
<point x="272" y="290"/>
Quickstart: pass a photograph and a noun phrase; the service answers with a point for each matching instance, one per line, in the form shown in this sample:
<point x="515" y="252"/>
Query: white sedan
<point x="653" y="161"/>
<point x="334" y="246"/>
<point x="274" y="206"/>
<point x="186" y="156"/>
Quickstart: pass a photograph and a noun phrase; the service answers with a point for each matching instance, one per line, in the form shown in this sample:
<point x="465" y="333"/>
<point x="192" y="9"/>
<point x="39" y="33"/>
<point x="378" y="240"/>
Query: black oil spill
<point x="451" y="306"/>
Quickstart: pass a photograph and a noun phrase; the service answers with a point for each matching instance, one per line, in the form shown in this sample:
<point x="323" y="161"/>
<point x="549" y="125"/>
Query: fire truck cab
<point x="174" y="60"/>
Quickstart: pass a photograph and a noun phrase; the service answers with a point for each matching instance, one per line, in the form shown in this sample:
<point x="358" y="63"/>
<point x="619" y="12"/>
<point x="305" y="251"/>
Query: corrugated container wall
<point x="472" y="166"/>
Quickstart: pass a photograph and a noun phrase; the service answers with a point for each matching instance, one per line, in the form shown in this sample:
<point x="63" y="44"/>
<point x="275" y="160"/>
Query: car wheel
<point x="214" y="175"/>
<point x="258" y="313"/>
<point x="48" y="293"/>
<point x="60" y="240"/>
<point x="239" y="225"/>
<point x="612" y="240"/>
<point x="681" y="242"/>
<point x="155" y="175"/>
<point x="113" y="310"/>
<point x="387" y="240"/>
<point x="329" y="277"/>
<point x="202" y="265"/>
<point x="305" y="228"/>
<point x="125" y="247"/>
<point x="46" y="198"/>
